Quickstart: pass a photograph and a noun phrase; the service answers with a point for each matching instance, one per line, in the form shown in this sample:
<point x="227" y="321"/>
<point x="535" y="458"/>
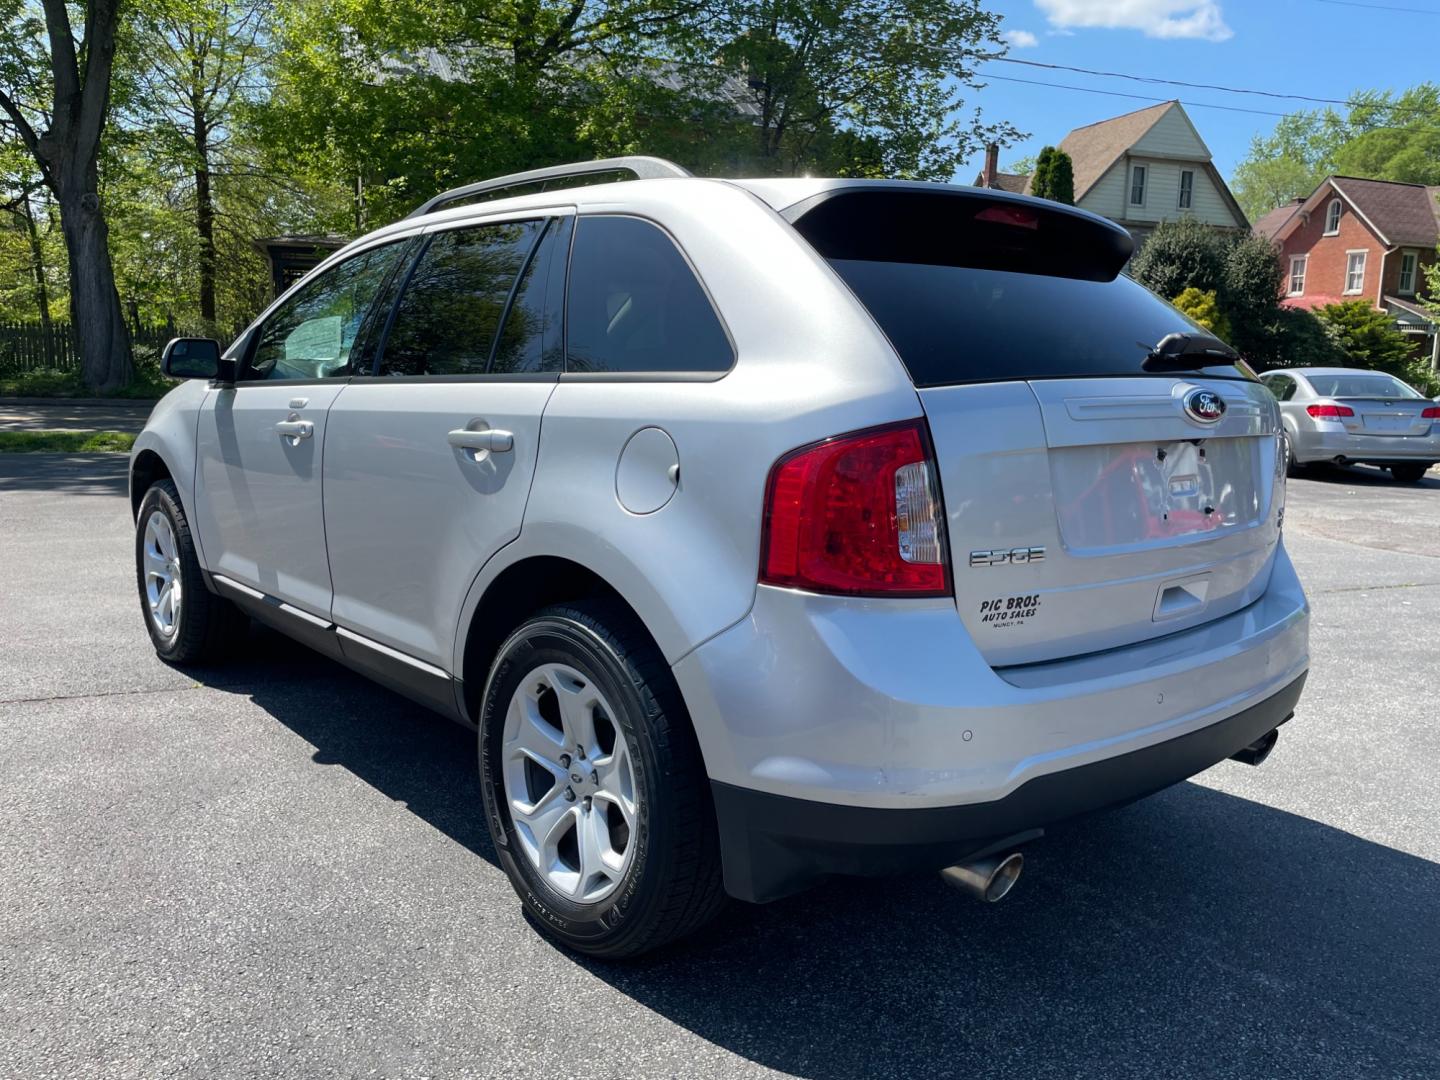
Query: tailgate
<point x="1085" y="514"/>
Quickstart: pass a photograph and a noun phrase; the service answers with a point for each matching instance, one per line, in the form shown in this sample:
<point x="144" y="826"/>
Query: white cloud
<point x="1155" y="18"/>
<point x="1021" y="39"/>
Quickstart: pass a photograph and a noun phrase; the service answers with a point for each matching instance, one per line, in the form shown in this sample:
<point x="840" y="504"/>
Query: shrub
<point x="1181" y="255"/>
<point x="1367" y="336"/>
<point x="1205" y="310"/>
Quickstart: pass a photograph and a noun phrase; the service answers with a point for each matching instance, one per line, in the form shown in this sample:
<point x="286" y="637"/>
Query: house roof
<point x="1400" y="215"/>
<point x="1005" y="181"/>
<point x="1096" y="147"/>
<point x="1271" y="224"/>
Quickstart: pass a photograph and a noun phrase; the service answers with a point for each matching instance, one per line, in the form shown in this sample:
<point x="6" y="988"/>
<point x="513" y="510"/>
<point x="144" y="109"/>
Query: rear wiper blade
<point x="1186" y="352"/>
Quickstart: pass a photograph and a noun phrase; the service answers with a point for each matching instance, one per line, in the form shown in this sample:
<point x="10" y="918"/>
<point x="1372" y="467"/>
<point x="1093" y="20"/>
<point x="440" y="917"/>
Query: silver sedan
<point x="1352" y="416"/>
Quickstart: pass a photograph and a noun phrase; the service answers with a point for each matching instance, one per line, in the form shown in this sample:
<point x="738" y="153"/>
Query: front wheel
<point x="594" y="790"/>
<point x="187" y="623"/>
<point x="1410" y="474"/>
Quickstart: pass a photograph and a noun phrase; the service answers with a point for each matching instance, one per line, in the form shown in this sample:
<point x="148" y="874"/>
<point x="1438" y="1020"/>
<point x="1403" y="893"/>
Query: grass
<point x="65" y="442"/>
<point x="147" y="383"/>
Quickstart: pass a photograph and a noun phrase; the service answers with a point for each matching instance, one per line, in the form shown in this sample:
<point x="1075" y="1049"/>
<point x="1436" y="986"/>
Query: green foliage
<point x="1205" y="310"/>
<point x="65" y="442"/>
<point x="1054" y="176"/>
<point x="1180" y="255"/>
<point x="1296" y="338"/>
<point x="1250" y="297"/>
<point x="1367" y="336"/>
<point x="146" y="384"/>
<point x="1381" y="136"/>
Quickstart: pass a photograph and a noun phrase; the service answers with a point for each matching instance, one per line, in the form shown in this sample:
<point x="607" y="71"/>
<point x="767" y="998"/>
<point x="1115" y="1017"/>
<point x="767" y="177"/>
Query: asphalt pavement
<point x="62" y="415"/>
<point x="276" y="868"/>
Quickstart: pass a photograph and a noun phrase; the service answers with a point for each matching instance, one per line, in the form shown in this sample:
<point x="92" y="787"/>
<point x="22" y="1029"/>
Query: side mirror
<point x="191" y="358"/>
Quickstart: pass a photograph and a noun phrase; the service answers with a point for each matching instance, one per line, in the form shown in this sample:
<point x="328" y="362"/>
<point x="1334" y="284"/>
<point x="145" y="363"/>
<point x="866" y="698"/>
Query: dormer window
<point x="1332" y="218"/>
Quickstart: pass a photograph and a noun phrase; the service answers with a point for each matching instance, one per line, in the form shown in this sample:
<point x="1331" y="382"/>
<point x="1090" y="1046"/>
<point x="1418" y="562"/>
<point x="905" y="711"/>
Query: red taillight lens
<point x="858" y="515"/>
<point x="1329" y="412"/>
<point x="1432" y="413"/>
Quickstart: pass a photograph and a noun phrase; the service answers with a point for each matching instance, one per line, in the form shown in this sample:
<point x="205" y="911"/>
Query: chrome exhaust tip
<point x="1258" y="750"/>
<point x="989" y="880"/>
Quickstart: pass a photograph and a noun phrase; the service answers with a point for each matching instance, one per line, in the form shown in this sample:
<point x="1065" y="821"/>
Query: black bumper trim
<point x="775" y="845"/>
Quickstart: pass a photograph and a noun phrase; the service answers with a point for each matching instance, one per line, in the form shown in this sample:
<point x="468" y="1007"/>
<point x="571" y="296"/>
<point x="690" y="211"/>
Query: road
<point x="62" y="416"/>
<point x="278" y="869"/>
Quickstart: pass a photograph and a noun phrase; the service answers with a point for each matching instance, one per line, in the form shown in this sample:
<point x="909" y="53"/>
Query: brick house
<point x="1355" y="239"/>
<point x="1140" y="169"/>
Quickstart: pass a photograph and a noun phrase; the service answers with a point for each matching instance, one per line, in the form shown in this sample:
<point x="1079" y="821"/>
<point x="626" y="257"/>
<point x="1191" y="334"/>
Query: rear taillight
<point x="1329" y="412"/>
<point x="1432" y="413"/>
<point x="858" y="515"/>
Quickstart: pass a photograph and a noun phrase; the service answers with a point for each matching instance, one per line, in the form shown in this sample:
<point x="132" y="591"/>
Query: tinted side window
<point x="446" y="319"/>
<point x="634" y="303"/>
<point x="1282" y="386"/>
<point x="312" y="335"/>
<point x="521" y="345"/>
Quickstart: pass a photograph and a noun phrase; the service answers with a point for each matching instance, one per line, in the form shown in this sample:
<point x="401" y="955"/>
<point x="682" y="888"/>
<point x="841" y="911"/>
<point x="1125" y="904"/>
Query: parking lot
<point x="279" y="869"/>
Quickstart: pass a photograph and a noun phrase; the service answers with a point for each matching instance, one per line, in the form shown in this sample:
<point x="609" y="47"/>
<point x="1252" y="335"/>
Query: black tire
<point x="672" y="885"/>
<point x="1292" y="467"/>
<point x="208" y="626"/>
<point x="1408" y="473"/>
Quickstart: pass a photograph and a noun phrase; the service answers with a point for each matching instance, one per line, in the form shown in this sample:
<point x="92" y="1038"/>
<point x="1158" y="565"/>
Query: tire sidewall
<point x="555" y="639"/>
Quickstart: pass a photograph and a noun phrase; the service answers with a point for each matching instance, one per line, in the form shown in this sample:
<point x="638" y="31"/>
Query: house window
<point x="1137" y="186"/>
<point x="1354" y="271"/>
<point x="1332" y="218"/>
<point x="1187" y="188"/>
<point x="1297" y="274"/>
<point x="1408" y="260"/>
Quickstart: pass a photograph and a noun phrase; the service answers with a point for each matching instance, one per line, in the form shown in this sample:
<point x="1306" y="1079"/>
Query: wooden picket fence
<point x="32" y="346"/>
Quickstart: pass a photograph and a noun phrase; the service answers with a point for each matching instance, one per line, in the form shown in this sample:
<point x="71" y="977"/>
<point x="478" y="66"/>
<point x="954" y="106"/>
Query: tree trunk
<point x="37" y="265"/>
<point x="204" y="214"/>
<point x="94" y="304"/>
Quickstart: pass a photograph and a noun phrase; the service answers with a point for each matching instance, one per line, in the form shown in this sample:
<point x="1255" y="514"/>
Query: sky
<point x="1319" y="48"/>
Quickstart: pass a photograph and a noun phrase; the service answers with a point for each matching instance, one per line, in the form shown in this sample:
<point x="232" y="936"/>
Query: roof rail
<point x="644" y="168"/>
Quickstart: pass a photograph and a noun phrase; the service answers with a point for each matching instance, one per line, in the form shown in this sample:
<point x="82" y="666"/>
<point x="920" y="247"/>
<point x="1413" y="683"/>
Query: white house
<point x="1141" y="169"/>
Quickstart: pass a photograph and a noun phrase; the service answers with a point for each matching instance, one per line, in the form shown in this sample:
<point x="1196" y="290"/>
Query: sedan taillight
<point x="1432" y="413"/>
<point x="1329" y="412"/>
<point x="857" y="515"/>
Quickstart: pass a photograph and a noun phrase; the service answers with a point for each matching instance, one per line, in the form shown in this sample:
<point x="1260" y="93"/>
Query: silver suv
<point x="765" y="530"/>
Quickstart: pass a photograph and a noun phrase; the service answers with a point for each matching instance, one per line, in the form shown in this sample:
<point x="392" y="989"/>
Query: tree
<point x="1250" y="293"/>
<point x="1179" y="255"/>
<point x="858" y="87"/>
<point x="1380" y="136"/>
<point x="205" y="58"/>
<point x="1040" y="175"/>
<point x="24" y="201"/>
<point x="1054" y="176"/>
<point x="1203" y="308"/>
<point x="55" y="96"/>
<point x="1368" y="336"/>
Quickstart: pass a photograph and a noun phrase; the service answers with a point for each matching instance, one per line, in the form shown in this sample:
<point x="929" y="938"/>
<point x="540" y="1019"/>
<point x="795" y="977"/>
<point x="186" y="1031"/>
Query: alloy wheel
<point x="163" y="588"/>
<point x="569" y="782"/>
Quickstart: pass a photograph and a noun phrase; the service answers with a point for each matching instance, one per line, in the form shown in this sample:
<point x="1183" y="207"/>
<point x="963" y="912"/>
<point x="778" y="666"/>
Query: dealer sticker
<point x="1009" y="610"/>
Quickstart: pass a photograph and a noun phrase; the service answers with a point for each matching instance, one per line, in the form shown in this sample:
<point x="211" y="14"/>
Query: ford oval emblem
<point x="1204" y="406"/>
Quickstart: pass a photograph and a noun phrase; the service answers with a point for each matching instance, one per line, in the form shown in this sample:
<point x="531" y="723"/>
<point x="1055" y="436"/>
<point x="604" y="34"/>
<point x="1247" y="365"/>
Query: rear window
<point x="971" y="289"/>
<point x="1385" y="387"/>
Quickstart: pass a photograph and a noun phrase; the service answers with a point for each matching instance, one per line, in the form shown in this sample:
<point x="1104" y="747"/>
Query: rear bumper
<point x="1312" y="446"/>
<point x="774" y="845"/>
<point x="881" y="718"/>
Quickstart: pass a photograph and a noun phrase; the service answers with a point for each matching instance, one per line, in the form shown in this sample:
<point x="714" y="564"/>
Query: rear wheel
<point x="594" y="790"/>
<point x="188" y="624"/>
<point x="1292" y="467"/>
<point x="1410" y="473"/>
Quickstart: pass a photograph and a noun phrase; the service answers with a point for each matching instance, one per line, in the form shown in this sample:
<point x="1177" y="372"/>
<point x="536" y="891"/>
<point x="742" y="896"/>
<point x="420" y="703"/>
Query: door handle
<point x="295" y="429"/>
<point x="492" y="439"/>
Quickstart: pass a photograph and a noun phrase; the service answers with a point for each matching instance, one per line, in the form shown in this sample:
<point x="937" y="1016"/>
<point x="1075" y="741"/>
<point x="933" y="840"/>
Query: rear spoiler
<point x="954" y="226"/>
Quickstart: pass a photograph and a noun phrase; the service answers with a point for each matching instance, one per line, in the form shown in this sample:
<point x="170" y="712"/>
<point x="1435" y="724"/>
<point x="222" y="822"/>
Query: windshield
<point x="1342" y="385"/>
<point x="954" y="324"/>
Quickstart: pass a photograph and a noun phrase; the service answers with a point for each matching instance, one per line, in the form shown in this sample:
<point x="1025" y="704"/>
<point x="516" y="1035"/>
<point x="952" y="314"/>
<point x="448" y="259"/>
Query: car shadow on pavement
<point x="1195" y="933"/>
<point x="1366" y="476"/>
